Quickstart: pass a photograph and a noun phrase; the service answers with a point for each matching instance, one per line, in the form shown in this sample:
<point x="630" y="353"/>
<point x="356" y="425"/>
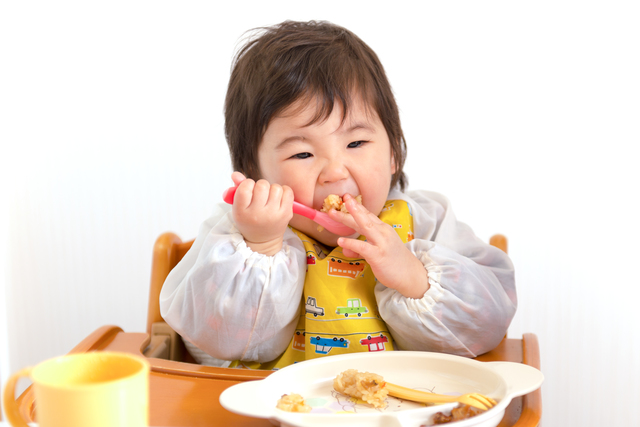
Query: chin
<point x="326" y="238"/>
<point x="315" y="231"/>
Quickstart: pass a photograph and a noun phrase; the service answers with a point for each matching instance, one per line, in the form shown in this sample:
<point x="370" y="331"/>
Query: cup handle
<point x="9" y="400"/>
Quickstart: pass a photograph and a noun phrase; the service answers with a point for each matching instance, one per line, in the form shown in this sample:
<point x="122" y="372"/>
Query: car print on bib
<point x="324" y="345"/>
<point x="298" y="340"/>
<point x="375" y="343"/>
<point x="350" y="268"/>
<point x="312" y="307"/>
<point x="354" y="306"/>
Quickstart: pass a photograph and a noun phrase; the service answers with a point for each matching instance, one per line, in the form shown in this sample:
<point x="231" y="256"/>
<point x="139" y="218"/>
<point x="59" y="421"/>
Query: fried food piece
<point x="293" y="403"/>
<point x="460" y="412"/>
<point x="362" y="385"/>
<point x="333" y="201"/>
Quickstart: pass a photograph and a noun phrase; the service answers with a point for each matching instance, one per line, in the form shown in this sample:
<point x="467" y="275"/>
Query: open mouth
<point x="335" y="202"/>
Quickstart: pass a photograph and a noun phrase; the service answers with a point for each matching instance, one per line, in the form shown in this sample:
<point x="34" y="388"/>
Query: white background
<point x="524" y="114"/>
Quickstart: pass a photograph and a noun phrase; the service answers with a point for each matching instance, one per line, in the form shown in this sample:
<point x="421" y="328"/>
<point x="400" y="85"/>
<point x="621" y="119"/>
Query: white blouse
<point x="230" y="303"/>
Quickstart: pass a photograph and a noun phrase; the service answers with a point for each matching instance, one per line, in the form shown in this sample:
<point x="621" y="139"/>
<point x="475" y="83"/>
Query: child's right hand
<point x="262" y="212"/>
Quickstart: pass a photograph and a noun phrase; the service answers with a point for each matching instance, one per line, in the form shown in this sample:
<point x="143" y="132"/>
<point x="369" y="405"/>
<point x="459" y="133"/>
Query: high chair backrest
<point x="499" y="241"/>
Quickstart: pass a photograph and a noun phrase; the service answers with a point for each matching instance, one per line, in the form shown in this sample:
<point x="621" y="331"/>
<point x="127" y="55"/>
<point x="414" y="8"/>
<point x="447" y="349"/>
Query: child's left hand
<point x="393" y="264"/>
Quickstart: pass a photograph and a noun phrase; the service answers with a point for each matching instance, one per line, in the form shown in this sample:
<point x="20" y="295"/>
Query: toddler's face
<point x="328" y="157"/>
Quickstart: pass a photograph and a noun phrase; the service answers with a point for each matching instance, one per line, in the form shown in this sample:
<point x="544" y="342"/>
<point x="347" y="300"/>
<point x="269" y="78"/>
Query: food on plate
<point x="362" y="385"/>
<point x="334" y="202"/>
<point x="293" y="403"/>
<point x="460" y="412"/>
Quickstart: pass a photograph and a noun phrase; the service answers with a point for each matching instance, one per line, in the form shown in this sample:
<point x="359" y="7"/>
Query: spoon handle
<point x="228" y="194"/>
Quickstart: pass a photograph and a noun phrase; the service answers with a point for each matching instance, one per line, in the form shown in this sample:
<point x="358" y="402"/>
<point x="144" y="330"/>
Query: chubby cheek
<point x="374" y="194"/>
<point x="300" y="182"/>
<point x="302" y="194"/>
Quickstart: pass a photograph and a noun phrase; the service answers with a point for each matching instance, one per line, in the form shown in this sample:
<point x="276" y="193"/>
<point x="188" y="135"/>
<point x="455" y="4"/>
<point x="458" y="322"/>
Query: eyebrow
<point x="358" y="126"/>
<point x="289" y="140"/>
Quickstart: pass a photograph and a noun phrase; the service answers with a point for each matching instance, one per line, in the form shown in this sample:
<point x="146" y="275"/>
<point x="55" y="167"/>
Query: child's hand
<point x="393" y="264"/>
<point x="262" y="212"/>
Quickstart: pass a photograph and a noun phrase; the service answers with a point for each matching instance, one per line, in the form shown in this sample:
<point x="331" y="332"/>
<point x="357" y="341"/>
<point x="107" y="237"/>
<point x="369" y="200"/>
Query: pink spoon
<point x="318" y="217"/>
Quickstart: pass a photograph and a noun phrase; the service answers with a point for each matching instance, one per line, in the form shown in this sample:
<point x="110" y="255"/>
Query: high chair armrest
<point x="164" y="343"/>
<point x="159" y="347"/>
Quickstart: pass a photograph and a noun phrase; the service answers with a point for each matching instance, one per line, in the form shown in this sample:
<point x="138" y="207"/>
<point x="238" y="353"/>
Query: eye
<point x="301" y="156"/>
<point x="356" y="144"/>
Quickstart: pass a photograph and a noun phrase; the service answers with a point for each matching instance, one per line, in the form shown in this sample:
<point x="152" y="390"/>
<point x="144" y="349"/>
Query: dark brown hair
<point x="297" y="60"/>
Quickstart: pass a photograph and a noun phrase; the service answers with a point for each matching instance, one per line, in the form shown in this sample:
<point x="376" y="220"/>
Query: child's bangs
<point x="343" y="88"/>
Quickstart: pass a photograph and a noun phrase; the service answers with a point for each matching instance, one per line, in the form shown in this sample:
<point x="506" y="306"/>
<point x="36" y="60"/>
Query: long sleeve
<point x="233" y="303"/>
<point x="472" y="298"/>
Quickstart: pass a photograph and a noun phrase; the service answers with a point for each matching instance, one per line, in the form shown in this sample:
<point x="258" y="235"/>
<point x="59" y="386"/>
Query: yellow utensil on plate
<point x="476" y="400"/>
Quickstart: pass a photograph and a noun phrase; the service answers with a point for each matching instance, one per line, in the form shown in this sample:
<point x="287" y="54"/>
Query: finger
<point x="237" y="177"/>
<point x="342" y="217"/>
<point x="354" y="248"/>
<point x="356" y="218"/>
<point x="244" y="194"/>
<point x="261" y="194"/>
<point x="287" y="198"/>
<point x="357" y="209"/>
<point x="346" y="197"/>
<point x="366" y="222"/>
<point x="275" y="195"/>
<point x="350" y="254"/>
<point x="277" y="200"/>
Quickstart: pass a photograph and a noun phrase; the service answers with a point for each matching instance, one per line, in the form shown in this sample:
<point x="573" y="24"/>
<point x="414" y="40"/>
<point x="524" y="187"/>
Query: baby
<point x="310" y="113"/>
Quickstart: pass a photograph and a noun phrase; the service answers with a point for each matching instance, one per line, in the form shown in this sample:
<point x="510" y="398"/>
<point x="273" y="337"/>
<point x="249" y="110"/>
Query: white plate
<point x="436" y="372"/>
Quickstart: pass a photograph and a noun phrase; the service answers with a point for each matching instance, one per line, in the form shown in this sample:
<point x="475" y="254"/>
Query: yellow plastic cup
<point x="97" y="389"/>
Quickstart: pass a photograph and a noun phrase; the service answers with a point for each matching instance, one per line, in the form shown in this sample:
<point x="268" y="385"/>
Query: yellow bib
<point x="339" y="313"/>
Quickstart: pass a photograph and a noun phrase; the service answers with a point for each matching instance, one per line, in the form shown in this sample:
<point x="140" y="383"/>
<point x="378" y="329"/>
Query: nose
<point x="333" y="171"/>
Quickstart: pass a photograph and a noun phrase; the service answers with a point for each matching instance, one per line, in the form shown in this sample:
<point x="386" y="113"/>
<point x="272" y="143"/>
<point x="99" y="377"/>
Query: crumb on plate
<point x="460" y="412"/>
<point x="293" y="403"/>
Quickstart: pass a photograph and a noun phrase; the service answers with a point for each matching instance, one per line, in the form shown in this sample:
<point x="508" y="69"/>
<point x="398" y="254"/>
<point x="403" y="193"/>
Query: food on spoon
<point x="334" y="202"/>
<point x="460" y="412"/>
<point x="362" y="385"/>
<point x="293" y="403"/>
